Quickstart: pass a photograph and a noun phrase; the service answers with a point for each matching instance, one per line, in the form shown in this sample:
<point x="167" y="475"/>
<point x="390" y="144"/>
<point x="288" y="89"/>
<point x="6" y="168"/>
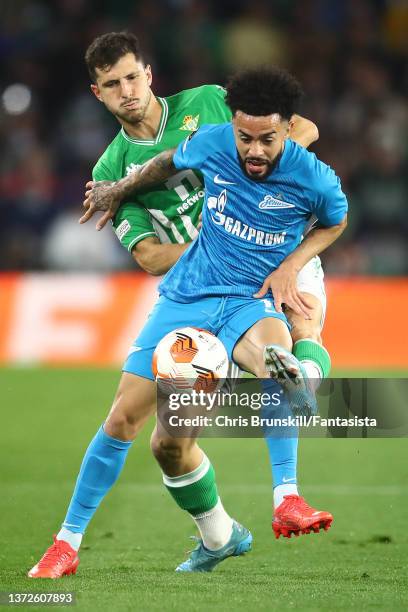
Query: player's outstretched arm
<point x="303" y="131"/>
<point x="283" y="281"/>
<point x="107" y="197"/>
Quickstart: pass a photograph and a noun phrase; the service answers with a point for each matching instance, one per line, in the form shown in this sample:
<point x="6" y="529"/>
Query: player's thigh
<point x="134" y="403"/>
<point x="244" y="335"/>
<point x="302" y="328"/>
<point x="249" y="350"/>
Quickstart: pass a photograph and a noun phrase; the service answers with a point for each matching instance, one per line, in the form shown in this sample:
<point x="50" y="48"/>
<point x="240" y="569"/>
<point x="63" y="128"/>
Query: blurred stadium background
<point x="350" y="55"/>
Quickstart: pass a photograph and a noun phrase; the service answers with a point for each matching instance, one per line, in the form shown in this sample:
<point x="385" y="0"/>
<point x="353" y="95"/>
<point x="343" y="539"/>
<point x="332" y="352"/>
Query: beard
<point x="269" y="167"/>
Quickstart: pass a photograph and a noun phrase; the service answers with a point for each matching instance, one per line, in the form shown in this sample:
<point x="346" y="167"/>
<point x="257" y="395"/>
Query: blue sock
<point x="282" y="442"/>
<point x="101" y="466"/>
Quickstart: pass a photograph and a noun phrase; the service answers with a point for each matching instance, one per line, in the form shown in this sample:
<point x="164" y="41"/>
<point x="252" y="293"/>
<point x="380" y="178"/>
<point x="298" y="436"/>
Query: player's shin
<point x="101" y="466"/>
<point x="196" y="492"/>
<point x="282" y="443"/>
<point x="315" y="360"/>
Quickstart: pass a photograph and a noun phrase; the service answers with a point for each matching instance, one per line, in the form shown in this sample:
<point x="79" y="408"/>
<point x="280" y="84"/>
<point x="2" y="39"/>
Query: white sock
<point x="313" y="372"/>
<point x="281" y="490"/>
<point x="73" y="539"/>
<point x="215" y="526"/>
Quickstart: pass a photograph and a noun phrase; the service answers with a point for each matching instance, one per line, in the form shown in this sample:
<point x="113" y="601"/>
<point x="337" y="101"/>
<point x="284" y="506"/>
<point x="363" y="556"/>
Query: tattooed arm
<point x="107" y="196"/>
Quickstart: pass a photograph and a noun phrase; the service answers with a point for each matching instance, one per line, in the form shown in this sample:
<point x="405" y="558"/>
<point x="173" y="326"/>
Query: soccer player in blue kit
<point x="261" y="191"/>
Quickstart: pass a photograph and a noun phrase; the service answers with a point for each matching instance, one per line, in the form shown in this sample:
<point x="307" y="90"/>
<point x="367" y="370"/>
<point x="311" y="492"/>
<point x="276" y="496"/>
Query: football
<point x="190" y="359"/>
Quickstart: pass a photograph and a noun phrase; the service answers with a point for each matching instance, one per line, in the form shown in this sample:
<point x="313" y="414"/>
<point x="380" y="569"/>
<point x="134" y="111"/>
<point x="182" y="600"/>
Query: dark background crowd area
<point x="351" y="57"/>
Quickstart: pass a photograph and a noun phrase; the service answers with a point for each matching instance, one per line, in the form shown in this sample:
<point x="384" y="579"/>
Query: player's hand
<point x="283" y="284"/>
<point x="100" y="196"/>
<point x="200" y="221"/>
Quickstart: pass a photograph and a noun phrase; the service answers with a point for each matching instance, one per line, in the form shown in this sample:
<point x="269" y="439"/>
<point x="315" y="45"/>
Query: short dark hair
<point x="107" y="49"/>
<point x="264" y="91"/>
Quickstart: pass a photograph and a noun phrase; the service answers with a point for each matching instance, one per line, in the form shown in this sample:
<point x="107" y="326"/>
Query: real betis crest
<point x="190" y="123"/>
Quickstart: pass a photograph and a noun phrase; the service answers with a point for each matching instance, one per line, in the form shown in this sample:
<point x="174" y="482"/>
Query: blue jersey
<point x="248" y="227"/>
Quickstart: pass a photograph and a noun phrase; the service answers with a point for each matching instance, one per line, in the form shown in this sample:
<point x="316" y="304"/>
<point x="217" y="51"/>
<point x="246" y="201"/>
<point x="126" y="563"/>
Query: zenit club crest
<point x="190" y="123"/>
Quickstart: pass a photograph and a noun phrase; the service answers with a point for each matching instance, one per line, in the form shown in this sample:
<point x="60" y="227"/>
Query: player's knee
<point x="121" y="428"/>
<point x="124" y="421"/>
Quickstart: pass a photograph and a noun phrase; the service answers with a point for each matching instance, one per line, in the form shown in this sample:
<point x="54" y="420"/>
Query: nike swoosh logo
<point x="314" y="513"/>
<point x="288" y="479"/>
<point x="219" y="181"/>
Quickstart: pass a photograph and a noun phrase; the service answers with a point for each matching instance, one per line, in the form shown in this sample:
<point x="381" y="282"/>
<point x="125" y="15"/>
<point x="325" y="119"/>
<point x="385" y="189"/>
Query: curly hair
<point x="107" y="49"/>
<point x="264" y="91"/>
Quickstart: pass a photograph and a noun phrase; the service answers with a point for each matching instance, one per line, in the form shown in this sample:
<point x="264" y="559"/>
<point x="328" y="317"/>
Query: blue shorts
<point x="226" y="317"/>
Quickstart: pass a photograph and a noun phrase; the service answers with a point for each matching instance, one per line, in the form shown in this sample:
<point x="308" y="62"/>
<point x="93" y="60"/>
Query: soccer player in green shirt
<point x="156" y="227"/>
<point x="166" y="216"/>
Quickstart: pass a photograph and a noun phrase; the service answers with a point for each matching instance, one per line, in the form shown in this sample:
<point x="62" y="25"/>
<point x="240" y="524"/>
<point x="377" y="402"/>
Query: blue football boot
<point x="203" y="560"/>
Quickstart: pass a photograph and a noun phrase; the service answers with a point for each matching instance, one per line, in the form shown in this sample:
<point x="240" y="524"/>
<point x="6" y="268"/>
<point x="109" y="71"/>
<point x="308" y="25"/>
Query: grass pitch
<point x="138" y="536"/>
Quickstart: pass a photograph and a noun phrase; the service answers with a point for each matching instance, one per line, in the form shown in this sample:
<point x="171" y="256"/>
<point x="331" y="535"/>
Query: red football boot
<point x="59" y="560"/>
<point x="295" y="516"/>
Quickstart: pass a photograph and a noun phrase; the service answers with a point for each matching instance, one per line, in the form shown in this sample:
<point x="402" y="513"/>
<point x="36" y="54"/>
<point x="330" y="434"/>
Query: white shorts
<point x="311" y="280"/>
